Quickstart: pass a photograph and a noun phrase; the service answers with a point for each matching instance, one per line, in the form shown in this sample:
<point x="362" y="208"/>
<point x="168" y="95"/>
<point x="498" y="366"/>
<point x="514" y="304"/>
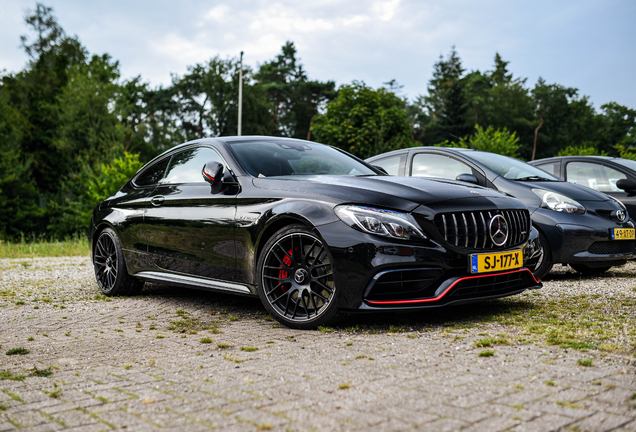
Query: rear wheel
<point x="586" y="270"/>
<point x="544" y="265"/>
<point x="296" y="280"/>
<point x="110" y="268"/>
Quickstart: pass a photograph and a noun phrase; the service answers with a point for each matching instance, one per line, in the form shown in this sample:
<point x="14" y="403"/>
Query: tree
<point x="498" y="141"/>
<point x="364" y="121"/>
<point x="295" y="99"/>
<point x="445" y="105"/>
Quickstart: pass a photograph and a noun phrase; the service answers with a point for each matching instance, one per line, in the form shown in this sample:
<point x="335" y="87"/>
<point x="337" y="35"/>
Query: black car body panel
<point x="193" y="235"/>
<point x="574" y="238"/>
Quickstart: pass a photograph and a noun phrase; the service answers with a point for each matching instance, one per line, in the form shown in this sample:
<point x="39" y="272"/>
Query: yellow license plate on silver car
<point x="623" y="234"/>
<point x="490" y="262"/>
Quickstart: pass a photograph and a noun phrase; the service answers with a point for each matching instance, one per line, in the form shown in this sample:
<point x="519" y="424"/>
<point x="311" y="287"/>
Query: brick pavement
<point x="137" y="364"/>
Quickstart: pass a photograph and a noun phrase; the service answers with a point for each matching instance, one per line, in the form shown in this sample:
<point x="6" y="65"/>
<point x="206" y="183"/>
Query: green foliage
<point x="364" y="121"/>
<point x="581" y="150"/>
<point x="86" y="189"/>
<point x="495" y="141"/>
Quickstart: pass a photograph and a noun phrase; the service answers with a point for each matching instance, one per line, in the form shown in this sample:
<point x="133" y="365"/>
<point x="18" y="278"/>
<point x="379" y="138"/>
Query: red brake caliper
<point x="282" y="274"/>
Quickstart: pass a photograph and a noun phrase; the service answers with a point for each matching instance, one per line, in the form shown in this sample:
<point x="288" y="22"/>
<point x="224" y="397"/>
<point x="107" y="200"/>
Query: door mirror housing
<point x="468" y="178"/>
<point x="626" y="184"/>
<point x="212" y="172"/>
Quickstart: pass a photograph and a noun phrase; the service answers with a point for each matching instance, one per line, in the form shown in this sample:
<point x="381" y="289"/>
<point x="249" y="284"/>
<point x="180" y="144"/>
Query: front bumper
<point x="584" y="239"/>
<point x="375" y="273"/>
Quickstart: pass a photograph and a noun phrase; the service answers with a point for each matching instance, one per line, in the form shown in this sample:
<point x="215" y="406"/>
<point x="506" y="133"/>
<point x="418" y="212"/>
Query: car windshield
<point x="289" y="157"/>
<point x="626" y="163"/>
<point x="510" y="168"/>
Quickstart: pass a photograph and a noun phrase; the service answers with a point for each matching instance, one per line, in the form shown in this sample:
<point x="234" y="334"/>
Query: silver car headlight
<point x="558" y="202"/>
<point x="385" y="223"/>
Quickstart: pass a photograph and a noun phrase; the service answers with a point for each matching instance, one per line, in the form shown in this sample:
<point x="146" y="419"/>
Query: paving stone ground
<point x="174" y="359"/>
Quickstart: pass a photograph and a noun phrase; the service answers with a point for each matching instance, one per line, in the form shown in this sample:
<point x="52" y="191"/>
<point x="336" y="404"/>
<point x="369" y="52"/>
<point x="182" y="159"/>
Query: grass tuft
<point x="17" y="351"/>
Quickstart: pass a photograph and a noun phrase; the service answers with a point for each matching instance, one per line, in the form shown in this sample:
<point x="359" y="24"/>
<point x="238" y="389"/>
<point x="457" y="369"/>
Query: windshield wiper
<point x="534" y="177"/>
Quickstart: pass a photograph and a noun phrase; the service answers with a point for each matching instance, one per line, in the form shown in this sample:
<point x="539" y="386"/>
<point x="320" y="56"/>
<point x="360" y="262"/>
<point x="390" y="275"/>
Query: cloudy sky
<point x="585" y="44"/>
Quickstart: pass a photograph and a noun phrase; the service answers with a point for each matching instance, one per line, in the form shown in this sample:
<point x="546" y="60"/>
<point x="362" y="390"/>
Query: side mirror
<point x="212" y="172"/>
<point x="379" y="168"/>
<point x="468" y="178"/>
<point x="626" y="184"/>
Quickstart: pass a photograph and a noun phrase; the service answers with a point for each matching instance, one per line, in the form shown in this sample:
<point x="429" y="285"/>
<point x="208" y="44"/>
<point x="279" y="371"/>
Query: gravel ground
<point x="189" y="360"/>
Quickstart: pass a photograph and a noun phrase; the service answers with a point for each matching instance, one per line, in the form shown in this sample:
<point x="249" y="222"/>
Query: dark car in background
<point x="578" y="226"/>
<point x="613" y="176"/>
<point x="311" y="230"/>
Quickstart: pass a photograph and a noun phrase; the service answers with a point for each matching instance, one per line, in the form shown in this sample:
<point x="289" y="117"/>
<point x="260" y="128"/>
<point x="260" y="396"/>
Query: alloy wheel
<point x="297" y="277"/>
<point x="105" y="262"/>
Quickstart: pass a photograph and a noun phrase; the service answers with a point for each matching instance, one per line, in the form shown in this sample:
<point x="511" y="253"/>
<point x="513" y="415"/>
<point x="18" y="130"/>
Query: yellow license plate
<point x="623" y="234"/>
<point x="489" y="262"/>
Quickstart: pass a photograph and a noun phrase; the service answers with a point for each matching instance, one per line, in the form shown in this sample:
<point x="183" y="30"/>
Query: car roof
<point x="555" y="158"/>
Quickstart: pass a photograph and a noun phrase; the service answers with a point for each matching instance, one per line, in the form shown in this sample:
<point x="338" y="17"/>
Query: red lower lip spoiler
<point x="439" y="297"/>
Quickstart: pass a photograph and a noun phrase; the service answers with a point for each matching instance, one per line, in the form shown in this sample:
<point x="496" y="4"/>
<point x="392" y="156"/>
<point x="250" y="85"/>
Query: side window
<point x="435" y="165"/>
<point x="391" y="164"/>
<point x="186" y="166"/>
<point x="553" y="168"/>
<point x="153" y="174"/>
<point x="594" y="176"/>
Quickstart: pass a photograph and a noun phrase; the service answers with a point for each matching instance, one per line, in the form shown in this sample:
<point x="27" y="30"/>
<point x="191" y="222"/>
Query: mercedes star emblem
<point x="498" y="230"/>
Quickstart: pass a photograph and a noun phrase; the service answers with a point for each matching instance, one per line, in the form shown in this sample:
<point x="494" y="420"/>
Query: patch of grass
<point x="102" y="399"/>
<point x="8" y="375"/>
<point x="344" y="386"/>
<point x="326" y="329"/>
<point x="30" y="247"/>
<point x="17" y="351"/>
<point x="249" y="348"/>
<point x="127" y="367"/>
<point x="205" y="340"/>
<point x="550" y="383"/>
<point x="41" y="372"/>
<point x="567" y="404"/>
<point x="518" y="406"/>
<point x="397" y="329"/>
<point x="488" y="342"/>
<point x="585" y="362"/>
<point x="55" y="393"/>
<point x="13" y="396"/>
<point x="487" y="353"/>
<point x="223" y="345"/>
<point x="30" y="338"/>
<point x="3" y="407"/>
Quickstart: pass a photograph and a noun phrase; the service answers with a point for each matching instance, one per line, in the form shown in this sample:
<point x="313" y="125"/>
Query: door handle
<point x="157" y="200"/>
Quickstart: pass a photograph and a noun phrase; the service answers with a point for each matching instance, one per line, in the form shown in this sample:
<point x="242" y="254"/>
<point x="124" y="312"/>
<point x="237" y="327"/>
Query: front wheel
<point x="110" y="268"/>
<point x="295" y="279"/>
<point x="544" y="265"/>
<point x="586" y="270"/>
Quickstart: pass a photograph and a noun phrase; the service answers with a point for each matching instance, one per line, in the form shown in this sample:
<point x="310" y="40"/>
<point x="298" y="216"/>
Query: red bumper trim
<point x="439" y="297"/>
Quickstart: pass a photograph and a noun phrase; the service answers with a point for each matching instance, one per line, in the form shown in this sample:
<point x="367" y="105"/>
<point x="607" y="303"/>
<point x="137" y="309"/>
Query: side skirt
<point x="193" y="282"/>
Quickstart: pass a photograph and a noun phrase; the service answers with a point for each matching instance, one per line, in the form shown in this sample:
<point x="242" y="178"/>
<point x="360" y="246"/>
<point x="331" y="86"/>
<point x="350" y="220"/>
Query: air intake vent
<point x="470" y="230"/>
<point x="612" y="247"/>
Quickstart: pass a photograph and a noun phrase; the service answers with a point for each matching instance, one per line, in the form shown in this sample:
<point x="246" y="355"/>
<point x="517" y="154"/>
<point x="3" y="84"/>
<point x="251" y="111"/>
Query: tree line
<point x="72" y="131"/>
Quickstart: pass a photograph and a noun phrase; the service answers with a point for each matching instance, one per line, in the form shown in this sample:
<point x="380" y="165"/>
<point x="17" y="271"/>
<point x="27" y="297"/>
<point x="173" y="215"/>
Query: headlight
<point x="380" y="222"/>
<point x="558" y="202"/>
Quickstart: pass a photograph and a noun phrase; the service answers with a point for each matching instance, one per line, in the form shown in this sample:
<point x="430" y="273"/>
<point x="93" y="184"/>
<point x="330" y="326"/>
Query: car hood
<point x="571" y="190"/>
<point x="404" y="193"/>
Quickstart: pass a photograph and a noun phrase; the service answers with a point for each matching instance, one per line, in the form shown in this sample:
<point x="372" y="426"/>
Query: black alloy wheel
<point x="110" y="267"/>
<point x="296" y="277"/>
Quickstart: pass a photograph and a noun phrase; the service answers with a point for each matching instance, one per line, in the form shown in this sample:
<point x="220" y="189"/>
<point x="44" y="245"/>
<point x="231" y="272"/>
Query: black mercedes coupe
<point x="313" y="231"/>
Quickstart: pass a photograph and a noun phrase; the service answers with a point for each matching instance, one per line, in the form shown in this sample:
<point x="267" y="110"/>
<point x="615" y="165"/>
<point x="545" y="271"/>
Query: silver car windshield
<point x="510" y="168"/>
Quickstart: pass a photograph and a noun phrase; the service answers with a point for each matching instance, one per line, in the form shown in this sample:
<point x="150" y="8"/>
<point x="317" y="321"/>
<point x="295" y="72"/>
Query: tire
<point x="295" y="279"/>
<point x="110" y="268"/>
<point x="583" y="269"/>
<point x="544" y="265"/>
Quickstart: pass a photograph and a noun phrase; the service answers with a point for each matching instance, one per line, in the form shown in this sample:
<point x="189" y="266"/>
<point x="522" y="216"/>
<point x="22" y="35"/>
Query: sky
<point x="589" y="45"/>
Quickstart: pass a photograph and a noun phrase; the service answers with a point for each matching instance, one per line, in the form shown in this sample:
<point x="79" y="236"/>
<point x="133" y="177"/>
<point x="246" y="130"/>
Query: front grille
<point x="605" y="214"/>
<point x="612" y="247"/>
<point x="469" y="230"/>
<point x="494" y="285"/>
